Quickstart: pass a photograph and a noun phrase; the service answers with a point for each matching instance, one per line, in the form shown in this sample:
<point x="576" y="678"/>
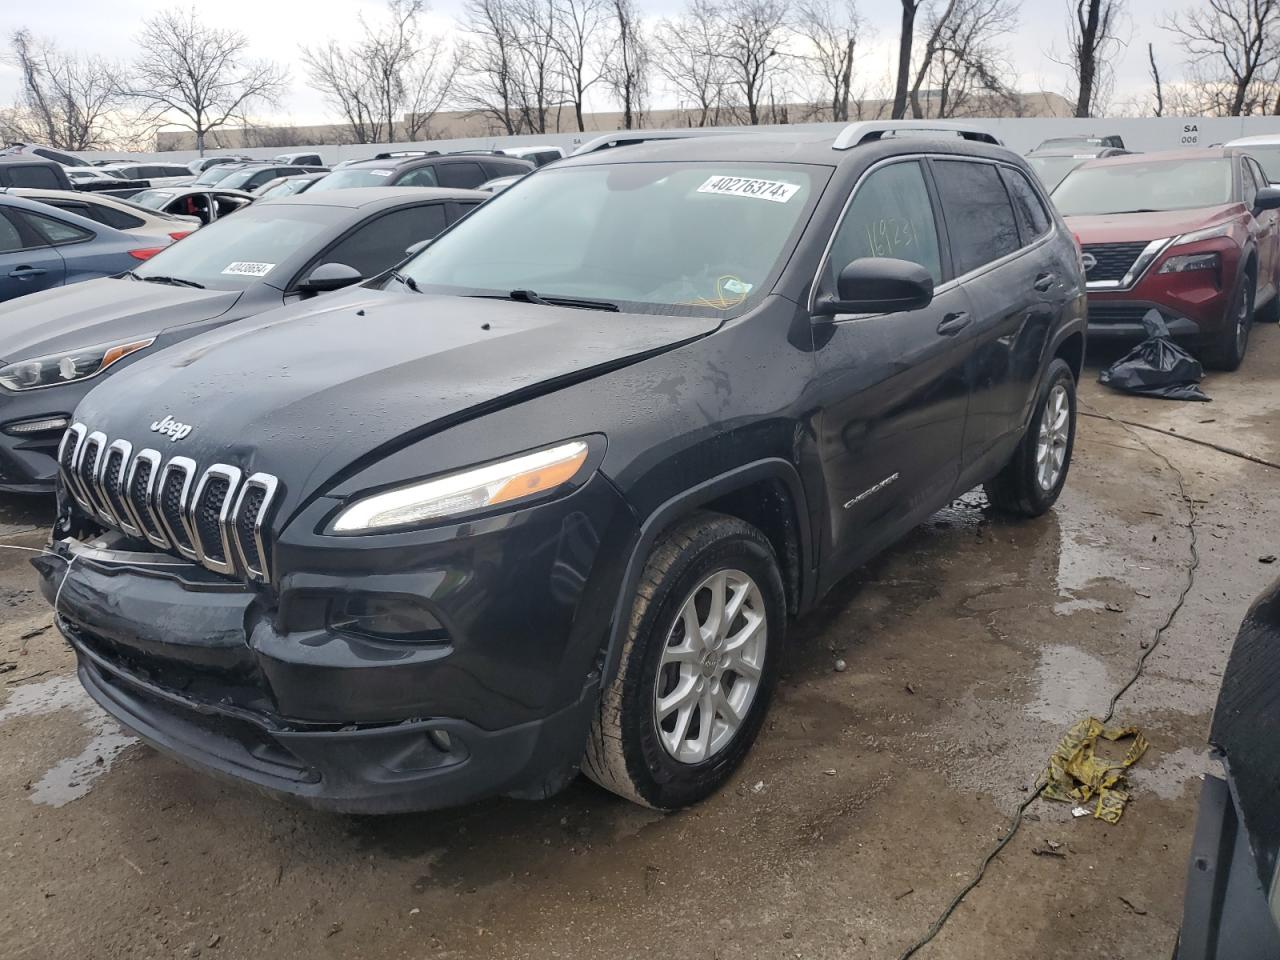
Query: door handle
<point x="26" y="273"/>
<point x="1044" y="282"/>
<point x="953" y="323"/>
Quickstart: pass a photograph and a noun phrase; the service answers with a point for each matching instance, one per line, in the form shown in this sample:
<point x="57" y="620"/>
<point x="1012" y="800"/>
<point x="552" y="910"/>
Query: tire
<point x="630" y="750"/>
<point x="1024" y="487"/>
<point x="1226" y="350"/>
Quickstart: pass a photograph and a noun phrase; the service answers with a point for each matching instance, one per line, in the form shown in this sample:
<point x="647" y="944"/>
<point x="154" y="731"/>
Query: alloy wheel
<point x="1055" y="431"/>
<point x="710" y="667"/>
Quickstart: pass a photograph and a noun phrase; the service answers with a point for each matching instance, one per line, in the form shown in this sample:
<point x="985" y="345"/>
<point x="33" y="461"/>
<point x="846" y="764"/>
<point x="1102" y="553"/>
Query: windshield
<point x="234" y="253"/>
<point x="341" y="179"/>
<point x="217" y="172"/>
<point x="703" y="237"/>
<point x="155" y="199"/>
<point x="1269" y="157"/>
<point x="1141" y="187"/>
<point x="1051" y="170"/>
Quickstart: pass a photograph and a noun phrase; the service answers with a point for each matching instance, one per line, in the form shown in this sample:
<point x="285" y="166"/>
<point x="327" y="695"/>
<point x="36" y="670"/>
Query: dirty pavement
<point x="870" y="799"/>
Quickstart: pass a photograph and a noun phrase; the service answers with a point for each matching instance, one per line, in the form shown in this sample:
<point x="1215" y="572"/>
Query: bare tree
<point x="1234" y="50"/>
<point x="510" y="64"/>
<point x="1092" y="37"/>
<point x="1158" y="108"/>
<point x="64" y="100"/>
<point x="199" y="77"/>
<point x="627" y="70"/>
<point x="576" y="39"/>
<point x="829" y="31"/>
<point x="390" y="71"/>
<point x="753" y="33"/>
<point x="687" y="54"/>
<point x="906" y="40"/>
<point x="961" y="56"/>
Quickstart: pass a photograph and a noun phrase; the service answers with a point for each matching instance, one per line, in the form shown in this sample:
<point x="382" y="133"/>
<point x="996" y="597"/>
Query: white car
<point x="111" y="211"/>
<point x="308" y="159"/>
<point x="1265" y="149"/>
<point x="158" y="174"/>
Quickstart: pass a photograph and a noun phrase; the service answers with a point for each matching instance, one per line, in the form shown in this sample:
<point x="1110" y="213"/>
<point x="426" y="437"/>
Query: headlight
<point x="67" y="366"/>
<point x="1189" y="262"/>
<point x="480" y="488"/>
<point x="1208" y="233"/>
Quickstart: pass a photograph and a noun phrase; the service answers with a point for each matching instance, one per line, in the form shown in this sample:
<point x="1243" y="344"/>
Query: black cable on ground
<point x="1016" y="823"/>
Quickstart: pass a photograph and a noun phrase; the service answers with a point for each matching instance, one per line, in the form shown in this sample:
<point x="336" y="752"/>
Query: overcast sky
<point x="276" y="31"/>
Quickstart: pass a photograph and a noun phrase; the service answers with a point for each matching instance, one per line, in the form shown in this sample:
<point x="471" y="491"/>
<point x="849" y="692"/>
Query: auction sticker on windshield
<point x="773" y="190"/>
<point x="248" y="268"/>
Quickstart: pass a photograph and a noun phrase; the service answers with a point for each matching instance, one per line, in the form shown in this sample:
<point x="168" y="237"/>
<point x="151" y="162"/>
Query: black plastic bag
<point x="1157" y="367"/>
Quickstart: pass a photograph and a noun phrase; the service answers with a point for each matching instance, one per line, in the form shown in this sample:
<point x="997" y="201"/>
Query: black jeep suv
<point x="546" y="497"/>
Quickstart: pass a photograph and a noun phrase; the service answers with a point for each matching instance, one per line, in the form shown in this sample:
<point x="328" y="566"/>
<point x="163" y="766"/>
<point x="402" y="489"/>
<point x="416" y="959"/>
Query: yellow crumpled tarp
<point x="1076" y="774"/>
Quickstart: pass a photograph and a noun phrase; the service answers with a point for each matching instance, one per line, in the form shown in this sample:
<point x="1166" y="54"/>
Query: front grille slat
<point x="211" y="517"/>
<point x="1113" y="260"/>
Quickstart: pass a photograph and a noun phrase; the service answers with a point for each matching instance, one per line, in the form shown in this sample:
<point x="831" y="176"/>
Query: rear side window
<point x="33" y="175"/>
<point x="1033" y="218"/>
<point x="979" y="216"/>
<point x="380" y="244"/>
<point x="461" y="175"/>
<point x="544" y="157"/>
<point x="890" y="216"/>
<point x="57" y="232"/>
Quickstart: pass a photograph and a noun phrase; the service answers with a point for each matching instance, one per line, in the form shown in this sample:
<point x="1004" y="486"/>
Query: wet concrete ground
<point x="867" y="804"/>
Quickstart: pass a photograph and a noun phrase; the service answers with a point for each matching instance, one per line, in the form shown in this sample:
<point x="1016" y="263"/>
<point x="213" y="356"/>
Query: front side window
<point x="1249" y="185"/>
<point x="1145" y="186"/>
<point x="380" y="244"/>
<point x="891" y="215"/>
<point x="1269" y="158"/>
<point x="980" y="219"/>
<point x="674" y="238"/>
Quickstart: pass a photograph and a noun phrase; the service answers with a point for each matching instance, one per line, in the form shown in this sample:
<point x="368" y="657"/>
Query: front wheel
<point x="1226" y="350"/>
<point x="1033" y="478"/>
<point x="697" y="669"/>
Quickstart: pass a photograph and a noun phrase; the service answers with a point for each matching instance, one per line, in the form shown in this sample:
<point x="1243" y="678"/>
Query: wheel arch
<point x="767" y="494"/>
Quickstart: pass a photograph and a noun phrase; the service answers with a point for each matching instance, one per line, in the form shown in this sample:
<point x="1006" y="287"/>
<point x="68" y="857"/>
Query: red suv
<point x="1191" y="233"/>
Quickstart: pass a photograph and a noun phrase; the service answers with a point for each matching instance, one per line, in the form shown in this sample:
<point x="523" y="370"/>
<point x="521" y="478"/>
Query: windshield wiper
<point x="528" y="296"/>
<point x="172" y="281"/>
<point x="409" y="282"/>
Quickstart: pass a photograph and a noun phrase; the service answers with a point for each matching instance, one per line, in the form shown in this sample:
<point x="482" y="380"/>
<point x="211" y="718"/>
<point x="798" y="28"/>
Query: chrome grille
<point x="1112" y="260"/>
<point x="214" y="516"/>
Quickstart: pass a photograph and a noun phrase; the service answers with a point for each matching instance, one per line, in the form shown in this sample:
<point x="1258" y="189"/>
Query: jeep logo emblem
<point x="1088" y="261"/>
<point x="171" y="428"/>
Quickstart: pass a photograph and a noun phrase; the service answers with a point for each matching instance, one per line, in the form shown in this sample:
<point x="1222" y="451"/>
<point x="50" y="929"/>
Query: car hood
<point x="1135" y="227"/>
<point x="304" y="391"/>
<point x="100" y="311"/>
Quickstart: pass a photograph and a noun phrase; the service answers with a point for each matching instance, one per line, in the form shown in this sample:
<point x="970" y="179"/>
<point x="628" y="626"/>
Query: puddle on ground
<point x="1070" y="685"/>
<point x="71" y="777"/>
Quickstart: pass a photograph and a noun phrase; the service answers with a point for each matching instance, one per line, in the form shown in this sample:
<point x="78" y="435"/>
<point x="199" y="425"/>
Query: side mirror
<point x="418" y="247"/>
<point x="1268" y="198"/>
<point x="329" y="276"/>
<point x="879" y="285"/>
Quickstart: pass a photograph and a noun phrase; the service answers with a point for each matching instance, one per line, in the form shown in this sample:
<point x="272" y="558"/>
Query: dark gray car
<point x="55" y="345"/>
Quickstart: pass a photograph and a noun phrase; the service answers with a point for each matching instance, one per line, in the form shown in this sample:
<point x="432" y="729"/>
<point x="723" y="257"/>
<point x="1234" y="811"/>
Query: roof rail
<point x="866" y="131"/>
<point x="405" y="153"/>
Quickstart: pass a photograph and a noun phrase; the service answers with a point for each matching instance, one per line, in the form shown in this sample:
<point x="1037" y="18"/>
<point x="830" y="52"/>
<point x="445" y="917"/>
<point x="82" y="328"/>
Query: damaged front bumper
<point x="193" y="663"/>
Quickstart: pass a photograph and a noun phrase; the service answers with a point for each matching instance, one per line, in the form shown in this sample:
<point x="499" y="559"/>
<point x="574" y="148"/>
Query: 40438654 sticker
<point x="248" y="268"/>
<point x="774" y="190"/>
